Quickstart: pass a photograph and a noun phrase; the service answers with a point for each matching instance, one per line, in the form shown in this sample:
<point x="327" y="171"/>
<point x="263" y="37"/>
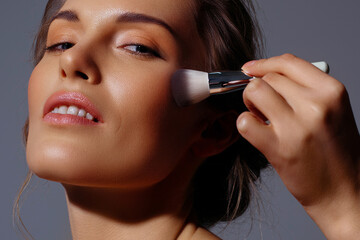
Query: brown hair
<point x="223" y="185"/>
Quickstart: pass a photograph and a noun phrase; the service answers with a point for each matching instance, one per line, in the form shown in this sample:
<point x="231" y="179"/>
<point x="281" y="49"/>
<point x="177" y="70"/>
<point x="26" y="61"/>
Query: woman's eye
<point x="142" y="50"/>
<point x="59" y="47"/>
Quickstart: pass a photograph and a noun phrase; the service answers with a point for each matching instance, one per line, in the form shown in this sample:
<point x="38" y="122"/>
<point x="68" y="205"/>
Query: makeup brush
<point x="191" y="86"/>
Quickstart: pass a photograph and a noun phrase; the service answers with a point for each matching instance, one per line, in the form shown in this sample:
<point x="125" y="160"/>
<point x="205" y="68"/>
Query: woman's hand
<point x="301" y="119"/>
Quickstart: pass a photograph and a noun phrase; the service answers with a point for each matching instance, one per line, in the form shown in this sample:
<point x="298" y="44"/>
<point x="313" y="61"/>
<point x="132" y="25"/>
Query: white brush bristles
<point x="189" y="86"/>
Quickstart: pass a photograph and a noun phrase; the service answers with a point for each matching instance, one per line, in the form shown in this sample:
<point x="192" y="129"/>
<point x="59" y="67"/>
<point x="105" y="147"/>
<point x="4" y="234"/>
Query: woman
<point x="134" y="167"/>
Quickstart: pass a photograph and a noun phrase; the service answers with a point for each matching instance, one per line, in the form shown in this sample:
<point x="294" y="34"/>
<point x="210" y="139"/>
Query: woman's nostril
<point x="82" y="75"/>
<point x="63" y="74"/>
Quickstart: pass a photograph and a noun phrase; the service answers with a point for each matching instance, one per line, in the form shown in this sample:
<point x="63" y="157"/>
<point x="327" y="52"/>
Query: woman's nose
<point x="78" y="63"/>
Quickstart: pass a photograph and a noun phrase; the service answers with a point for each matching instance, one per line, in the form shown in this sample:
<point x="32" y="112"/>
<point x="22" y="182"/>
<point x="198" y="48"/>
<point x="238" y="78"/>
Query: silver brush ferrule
<point x="224" y="82"/>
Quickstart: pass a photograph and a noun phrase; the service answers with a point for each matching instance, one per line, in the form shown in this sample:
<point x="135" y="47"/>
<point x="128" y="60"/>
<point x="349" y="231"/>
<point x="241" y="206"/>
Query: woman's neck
<point x="157" y="212"/>
<point x="114" y="214"/>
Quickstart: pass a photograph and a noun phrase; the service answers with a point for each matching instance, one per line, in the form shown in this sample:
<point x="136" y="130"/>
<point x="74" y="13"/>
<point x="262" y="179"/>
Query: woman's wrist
<point x="338" y="217"/>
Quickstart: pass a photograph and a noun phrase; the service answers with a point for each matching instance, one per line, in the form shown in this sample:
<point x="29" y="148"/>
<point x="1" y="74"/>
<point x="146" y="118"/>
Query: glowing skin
<point x="146" y="149"/>
<point x="139" y="141"/>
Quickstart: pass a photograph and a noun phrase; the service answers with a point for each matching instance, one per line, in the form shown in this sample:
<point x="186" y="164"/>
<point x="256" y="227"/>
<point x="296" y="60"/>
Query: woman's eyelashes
<point x="59" y="47"/>
<point x="141" y="50"/>
<point x="133" y="48"/>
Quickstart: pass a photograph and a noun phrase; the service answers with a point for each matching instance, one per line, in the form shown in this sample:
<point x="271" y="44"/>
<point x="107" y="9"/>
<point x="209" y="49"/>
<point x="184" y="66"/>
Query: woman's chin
<point x="58" y="162"/>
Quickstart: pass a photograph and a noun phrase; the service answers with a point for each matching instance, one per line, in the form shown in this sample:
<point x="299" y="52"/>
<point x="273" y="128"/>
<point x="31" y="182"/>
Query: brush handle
<point x="224" y="82"/>
<point x="323" y="66"/>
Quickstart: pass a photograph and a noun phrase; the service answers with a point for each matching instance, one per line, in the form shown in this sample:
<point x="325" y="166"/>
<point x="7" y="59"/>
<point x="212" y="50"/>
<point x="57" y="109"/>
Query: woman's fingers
<point x="288" y="89"/>
<point x="256" y="131"/>
<point x="262" y="100"/>
<point x="299" y="70"/>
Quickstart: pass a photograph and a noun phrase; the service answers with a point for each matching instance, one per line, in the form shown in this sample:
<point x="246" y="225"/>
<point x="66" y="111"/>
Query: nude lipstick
<point x="70" y="108"/>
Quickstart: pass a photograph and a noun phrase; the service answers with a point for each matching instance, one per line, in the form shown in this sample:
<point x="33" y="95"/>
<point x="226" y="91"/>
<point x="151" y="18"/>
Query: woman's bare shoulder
<point x="203" y="234"/>
<point x="193" y="232"/>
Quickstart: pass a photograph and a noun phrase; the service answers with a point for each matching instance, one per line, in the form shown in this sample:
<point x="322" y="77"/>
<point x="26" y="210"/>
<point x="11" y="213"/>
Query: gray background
<point x="314" y="30"/>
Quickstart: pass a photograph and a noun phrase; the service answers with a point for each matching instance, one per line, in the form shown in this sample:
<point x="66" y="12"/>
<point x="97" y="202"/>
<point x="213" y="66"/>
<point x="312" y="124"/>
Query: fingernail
<point x="247" y="65"/>
<point x="241" y="124"/>
<point x="248" y="74"/>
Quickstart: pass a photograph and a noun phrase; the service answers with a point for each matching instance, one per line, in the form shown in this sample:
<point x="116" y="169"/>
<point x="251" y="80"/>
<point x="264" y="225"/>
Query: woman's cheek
<point x="144" y="136"/>
<point x="38" y="88"/>
<point x="137" y="146"/>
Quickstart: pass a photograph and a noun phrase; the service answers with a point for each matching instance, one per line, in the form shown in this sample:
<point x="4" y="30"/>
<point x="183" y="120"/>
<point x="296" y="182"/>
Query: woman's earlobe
<point x="218" y="136"/>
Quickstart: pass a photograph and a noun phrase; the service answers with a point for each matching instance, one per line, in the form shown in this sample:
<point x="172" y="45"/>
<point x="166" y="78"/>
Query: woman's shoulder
<point x="193" y="232"/>
<point x="203" y="234"/>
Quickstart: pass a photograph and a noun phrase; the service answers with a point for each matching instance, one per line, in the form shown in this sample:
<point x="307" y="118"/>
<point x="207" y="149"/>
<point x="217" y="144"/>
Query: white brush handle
<point x="323" y="66"/>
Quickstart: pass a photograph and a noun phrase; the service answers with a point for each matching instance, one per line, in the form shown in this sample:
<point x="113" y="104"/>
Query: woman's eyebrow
<point x="139" y="17"/>
<point x="68" y="15"/>
<point x="72" y="16"/>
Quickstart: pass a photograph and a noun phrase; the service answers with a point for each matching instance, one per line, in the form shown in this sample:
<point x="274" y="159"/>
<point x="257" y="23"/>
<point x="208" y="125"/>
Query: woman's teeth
<point x="73" y="110"/>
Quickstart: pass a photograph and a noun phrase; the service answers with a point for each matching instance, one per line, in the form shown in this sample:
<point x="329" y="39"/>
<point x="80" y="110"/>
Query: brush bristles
<point x="189" y="86"/>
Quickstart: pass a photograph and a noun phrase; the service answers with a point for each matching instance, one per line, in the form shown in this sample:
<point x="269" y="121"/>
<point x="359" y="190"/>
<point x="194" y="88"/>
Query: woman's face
<point x="113" y="59"/>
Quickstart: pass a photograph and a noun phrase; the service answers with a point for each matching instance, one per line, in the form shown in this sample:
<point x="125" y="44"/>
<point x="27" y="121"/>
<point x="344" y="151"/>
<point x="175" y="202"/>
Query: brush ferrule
<point x="223" y="82"/>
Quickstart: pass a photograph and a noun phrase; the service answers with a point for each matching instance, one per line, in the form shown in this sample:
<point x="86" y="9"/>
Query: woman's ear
<point x="217" y="136"/>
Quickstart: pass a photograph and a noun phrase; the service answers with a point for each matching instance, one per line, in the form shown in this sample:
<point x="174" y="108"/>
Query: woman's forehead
<point x="178" y="14"/>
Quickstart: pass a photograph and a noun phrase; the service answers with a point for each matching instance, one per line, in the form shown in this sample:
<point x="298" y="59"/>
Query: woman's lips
<point x="71" y="108"/>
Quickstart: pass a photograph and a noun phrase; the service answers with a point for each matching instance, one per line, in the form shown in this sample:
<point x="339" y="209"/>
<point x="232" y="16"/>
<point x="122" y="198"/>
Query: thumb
<point x="256" y="132"/>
